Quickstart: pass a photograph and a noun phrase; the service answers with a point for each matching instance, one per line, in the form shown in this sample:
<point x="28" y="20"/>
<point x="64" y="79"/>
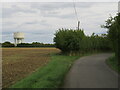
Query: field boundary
<point x="49" y="76"/>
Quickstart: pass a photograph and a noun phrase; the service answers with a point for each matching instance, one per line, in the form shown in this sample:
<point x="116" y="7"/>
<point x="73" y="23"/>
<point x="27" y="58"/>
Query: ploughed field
<point x="20" y="62"/>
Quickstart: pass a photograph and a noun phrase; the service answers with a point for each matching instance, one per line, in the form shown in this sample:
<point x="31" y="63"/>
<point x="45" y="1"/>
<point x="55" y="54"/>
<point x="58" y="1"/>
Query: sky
<point x="39" y="21"/>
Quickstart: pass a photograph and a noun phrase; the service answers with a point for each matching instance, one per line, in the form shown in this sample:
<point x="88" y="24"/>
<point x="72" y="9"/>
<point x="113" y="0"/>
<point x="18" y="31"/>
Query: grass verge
<point x="113" y="63"/>
<point x="49" y="76"/>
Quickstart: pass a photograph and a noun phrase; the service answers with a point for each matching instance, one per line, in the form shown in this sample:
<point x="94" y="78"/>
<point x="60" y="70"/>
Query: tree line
<point x="72" y="41"/>
<point x="33" y="44"/>
<point x="75" y="41"/>
<point x="113" y="26"/>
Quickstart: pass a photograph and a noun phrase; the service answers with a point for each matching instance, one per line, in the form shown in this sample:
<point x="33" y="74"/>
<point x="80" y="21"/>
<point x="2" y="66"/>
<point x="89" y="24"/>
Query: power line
<point x="76" y="15"/>
<point x="75" y="10"/>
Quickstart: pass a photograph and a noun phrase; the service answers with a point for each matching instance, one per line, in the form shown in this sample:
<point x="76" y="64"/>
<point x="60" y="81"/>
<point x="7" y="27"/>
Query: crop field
<point x="20" y="62"/>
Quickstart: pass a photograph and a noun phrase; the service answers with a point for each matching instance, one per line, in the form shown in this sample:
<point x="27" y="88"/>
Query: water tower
<point x="18" y="37"/>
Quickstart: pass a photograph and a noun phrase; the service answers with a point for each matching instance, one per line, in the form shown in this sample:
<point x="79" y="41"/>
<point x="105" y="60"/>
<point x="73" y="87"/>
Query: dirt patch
<point x="20" y="62"/>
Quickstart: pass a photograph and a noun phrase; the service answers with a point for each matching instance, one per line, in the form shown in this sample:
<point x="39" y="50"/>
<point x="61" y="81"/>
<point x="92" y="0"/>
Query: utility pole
<point x="78" y="25"/>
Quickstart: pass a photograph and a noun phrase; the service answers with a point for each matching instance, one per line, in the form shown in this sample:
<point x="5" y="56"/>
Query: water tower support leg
<point x="15" y="42"/>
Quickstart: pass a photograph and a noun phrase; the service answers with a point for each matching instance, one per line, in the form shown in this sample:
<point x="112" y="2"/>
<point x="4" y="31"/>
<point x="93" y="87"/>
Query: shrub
<point x="7" y="44"/>
<point x="75" y="41"/>
<point x="69" y="40"/>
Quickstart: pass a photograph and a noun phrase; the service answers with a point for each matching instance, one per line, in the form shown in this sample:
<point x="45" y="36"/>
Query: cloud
<point x="59" y="1"/>
<point x="39" y="21"/>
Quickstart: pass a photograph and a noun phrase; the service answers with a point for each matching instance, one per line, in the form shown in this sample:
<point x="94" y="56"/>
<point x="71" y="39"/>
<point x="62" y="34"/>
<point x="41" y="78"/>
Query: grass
<point x="33" y="69"/>
<point x="113" y="63"/>
<point x="18" y="63"/>
<point x="49" y="76"/>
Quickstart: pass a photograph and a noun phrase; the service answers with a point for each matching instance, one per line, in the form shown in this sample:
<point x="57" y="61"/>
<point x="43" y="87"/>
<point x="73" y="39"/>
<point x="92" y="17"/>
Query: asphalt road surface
<point x="91" y="72"/>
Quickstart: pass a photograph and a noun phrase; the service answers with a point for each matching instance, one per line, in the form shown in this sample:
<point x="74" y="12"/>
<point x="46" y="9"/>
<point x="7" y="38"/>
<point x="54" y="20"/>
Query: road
<point x="91" y="72"/>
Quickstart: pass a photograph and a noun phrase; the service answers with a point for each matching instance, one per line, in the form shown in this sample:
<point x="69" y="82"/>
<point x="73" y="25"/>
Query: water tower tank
<point x="18" y="37"/>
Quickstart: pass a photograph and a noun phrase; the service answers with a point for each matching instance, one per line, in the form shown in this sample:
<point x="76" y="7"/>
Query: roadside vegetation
<point x="74" y="42"/>
<point x="51" y="75"/>
<point x="113" y="63"/>
<point x="113" y="26"/>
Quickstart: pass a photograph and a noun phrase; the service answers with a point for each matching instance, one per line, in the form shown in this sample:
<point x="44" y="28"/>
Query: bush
<point x="113" y="26"/>
<point x="35" y="44"/>
<point x="113" y="63"/>
<point x="7" y="44"/>
<point x="75" y="41"/>
<point x="69" y="40"/>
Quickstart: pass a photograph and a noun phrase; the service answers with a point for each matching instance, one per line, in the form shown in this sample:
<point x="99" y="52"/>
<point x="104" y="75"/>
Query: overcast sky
<point x="39" y="21"/>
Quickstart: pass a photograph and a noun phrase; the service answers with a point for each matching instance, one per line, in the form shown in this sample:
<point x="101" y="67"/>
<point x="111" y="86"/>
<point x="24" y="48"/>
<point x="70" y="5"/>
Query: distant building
<point x="18" y="38"/>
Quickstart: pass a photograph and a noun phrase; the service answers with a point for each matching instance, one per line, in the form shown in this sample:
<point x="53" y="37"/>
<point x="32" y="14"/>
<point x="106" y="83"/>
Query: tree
<point x="69" y="40"/>
<point x="75" y="41"/>
<point x="7" y="44"/>
<point x="113" y="26"/>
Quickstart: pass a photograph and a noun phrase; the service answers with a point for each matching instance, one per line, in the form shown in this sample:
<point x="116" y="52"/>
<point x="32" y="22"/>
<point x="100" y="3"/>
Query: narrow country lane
<point x="91" y="72"/>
